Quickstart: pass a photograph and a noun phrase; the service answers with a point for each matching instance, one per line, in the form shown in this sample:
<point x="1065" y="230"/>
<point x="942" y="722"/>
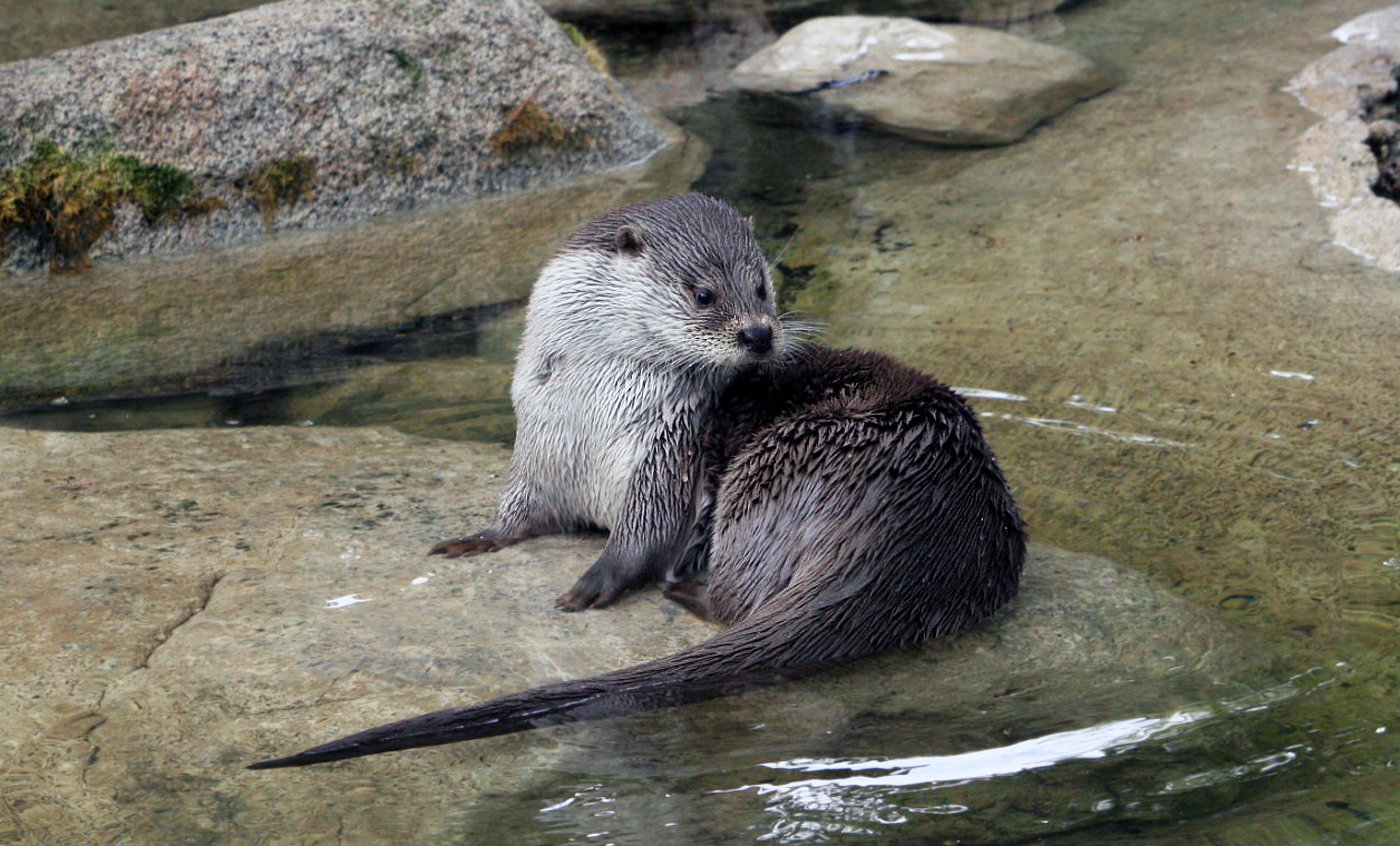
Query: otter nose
<point x="756" y="339"/>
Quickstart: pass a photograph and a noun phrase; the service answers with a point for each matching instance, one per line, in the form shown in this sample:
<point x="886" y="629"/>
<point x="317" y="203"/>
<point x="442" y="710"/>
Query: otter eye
<point x="704" y="296"/>
<point x="762" y="293"/>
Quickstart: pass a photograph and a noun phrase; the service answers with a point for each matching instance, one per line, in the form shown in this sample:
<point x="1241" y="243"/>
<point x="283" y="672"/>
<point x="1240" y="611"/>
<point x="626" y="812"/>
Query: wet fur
<point x="825" y="504"/>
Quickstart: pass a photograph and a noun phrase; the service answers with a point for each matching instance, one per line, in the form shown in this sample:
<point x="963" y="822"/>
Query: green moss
<point x="277" y="184"/>
<point x="163" y="192"/>
<point x="66" y="201"/>
<point x="588" y="48"/>
<point x="409" y="65"/>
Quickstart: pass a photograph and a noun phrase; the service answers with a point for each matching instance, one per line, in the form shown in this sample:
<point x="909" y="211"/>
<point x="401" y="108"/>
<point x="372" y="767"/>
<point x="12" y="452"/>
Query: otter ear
<point x="628" y="241"/>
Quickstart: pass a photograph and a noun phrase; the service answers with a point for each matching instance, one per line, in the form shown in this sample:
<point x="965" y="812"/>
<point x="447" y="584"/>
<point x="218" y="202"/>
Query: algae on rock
<point x="590" y="50"/>
<point x="528" y="125"/>
<point x="278" y="184"/>
<point x="67" y="201"/>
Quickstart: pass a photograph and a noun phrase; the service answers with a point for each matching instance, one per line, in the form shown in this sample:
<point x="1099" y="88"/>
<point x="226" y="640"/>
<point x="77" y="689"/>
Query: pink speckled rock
<point x="396" y="103"/>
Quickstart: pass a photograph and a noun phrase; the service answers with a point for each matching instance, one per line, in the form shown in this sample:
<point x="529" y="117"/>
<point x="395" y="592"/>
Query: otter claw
<point x="469" y="545"/>
<point x="589" y="591"/>
<point x="575" y="599"/>
<point x="569" y="602"/>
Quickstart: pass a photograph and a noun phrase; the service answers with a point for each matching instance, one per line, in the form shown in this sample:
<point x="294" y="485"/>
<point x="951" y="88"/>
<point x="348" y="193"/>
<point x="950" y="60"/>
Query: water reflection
<point x="1160" y="778"/>
<point x="1092" y="742"/>
<point x="866" y="795"/>
<point x="990" y="393"/>
<point x="1073" y="428"/>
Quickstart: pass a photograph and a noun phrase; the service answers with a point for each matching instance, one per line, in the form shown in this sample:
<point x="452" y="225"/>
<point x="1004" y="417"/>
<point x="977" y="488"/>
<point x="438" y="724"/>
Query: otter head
<point x="692" y="283"/>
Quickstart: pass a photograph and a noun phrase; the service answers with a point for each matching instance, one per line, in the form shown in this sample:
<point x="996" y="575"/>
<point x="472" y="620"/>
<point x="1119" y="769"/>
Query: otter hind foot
<point x="585" y="594"/>
<point x="476" y="544"/>
<point x="609" y="578"/>
<point x="693" y="596"/>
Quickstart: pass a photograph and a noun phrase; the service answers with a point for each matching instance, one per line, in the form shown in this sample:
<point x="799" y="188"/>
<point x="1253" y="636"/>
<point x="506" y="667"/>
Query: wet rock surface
<point x="653" y="11"/>
<point x="59" y="26"/>
<point x="181" y="603"/>
<point x="305" y="113"/>
<point x="1350" y="158"/>
<point x="952" y="85"/>
<point x="148" y="321"/>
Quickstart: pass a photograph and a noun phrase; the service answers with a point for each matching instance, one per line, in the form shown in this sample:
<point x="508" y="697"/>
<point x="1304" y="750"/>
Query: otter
<point x="824" y="504"/>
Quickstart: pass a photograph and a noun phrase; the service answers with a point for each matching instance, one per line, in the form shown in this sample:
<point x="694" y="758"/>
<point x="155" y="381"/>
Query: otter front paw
<point x="476" y="544"/>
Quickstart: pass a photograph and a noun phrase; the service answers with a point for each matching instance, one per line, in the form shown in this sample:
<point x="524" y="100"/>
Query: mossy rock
<point x="66" y="201"/>
<point x="278" y="184"/>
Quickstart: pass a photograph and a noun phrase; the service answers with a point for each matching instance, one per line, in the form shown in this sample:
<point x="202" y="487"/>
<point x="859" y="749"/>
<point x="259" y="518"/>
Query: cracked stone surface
<point x="178" y="604"/>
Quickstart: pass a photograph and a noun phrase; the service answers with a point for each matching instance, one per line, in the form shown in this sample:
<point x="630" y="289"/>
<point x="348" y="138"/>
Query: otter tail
<point x="832" y="616"/>
<point x="738" y="659"/>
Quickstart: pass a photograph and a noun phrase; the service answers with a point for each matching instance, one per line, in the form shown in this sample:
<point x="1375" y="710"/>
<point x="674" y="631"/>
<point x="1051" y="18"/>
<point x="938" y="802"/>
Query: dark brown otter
<point x="839" y="503"/>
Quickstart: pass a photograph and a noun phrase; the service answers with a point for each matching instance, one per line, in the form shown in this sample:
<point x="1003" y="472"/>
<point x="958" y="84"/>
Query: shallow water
<point x="1177" y="370"/>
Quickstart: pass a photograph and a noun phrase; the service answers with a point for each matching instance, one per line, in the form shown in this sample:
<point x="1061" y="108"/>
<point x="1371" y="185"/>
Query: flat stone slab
<point x="394" y="105"/>
<point x="1333" y="154"/>
<point x="948" y="84"/>
<point x="179" y="604"/>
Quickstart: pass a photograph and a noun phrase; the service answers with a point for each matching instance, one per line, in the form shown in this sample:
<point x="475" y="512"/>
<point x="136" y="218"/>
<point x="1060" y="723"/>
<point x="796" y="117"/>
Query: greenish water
<point x="1178" y="371"/>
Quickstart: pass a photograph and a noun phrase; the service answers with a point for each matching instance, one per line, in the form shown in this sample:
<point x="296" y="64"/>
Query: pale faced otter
<point x="826" y="504"/>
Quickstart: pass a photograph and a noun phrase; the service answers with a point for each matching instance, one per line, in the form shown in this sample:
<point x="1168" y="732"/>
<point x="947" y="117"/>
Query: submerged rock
<point x="181" y="603"/>
<point x="307" y="112"/>
<point x="46" y="27"/>
<point x="953" y="85"/>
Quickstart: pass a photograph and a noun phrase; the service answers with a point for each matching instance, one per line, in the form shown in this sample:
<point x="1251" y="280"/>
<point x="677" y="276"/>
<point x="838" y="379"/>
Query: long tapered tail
<point x="724" y="665"/>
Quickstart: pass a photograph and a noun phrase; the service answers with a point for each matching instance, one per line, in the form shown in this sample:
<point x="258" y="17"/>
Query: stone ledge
<point x="181" y="603"/>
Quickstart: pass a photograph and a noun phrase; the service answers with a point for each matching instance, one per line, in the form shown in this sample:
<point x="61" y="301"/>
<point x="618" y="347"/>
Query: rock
<point x="1380" y="25"/>
<point x="952" y="85"/>
<point x="307" y="112"/>
<point x="1334" y="154"/>
<point x="146" y="323"/>
<point x="671" y="11"/>
<point x="180" y="603"/>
